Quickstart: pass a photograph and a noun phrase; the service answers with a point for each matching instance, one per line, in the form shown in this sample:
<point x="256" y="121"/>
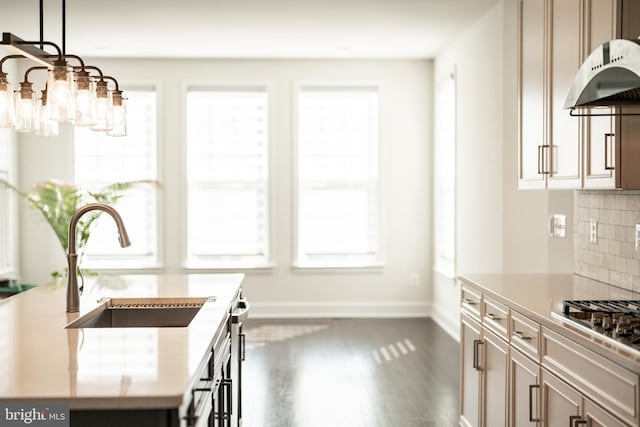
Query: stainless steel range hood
<point x="610" y="76"/>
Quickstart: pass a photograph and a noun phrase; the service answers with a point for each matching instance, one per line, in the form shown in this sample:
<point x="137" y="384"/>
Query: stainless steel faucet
<point x="73" y="293"/>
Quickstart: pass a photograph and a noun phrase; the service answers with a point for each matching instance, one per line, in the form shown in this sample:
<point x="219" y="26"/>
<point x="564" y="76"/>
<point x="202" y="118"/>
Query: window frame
<point x="10" y="221"/>
<point x="188" y="264"/>
<point x="159" y="264"/>
<point x="446" y="268"/>
<point x="297" y="262"/>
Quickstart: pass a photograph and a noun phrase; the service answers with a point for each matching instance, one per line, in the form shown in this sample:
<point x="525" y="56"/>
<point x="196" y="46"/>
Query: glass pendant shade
<point x="61" y="93"/>
<point x="6" y="102"/>
<point x="104" y="107"/>
<point x="119" y="115"/>
<point x="85" y="97"/>
<point x="26" y="108"/>
<point x="47" y="126"/>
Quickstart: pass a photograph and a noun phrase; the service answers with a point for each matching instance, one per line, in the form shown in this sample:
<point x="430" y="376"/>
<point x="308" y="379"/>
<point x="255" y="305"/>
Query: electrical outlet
<point x="593" y="234"/>
<point x="637" y="236"/>
<point x="559" y="226"/>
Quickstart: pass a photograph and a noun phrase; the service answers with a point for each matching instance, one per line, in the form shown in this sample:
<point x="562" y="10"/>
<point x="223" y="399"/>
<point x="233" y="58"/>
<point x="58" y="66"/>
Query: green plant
<point x="57" y="201"/>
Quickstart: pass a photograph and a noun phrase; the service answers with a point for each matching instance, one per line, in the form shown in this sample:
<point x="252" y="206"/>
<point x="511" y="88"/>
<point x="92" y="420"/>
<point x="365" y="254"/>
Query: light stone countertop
<point x="41" y="361"/>
<point x="538" y="295"/>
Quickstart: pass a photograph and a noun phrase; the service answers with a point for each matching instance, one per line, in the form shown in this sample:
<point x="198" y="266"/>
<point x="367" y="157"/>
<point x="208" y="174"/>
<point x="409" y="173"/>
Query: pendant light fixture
<point x="78" y="93"/>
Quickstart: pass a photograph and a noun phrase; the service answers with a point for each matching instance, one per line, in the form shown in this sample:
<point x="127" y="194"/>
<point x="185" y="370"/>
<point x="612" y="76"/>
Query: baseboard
<point x="450" y="324"/>
<point x="337" y="309"/>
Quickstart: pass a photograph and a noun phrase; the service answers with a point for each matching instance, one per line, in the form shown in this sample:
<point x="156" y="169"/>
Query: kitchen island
<point x="523" y="362"/>
<point x="166" y="376"/>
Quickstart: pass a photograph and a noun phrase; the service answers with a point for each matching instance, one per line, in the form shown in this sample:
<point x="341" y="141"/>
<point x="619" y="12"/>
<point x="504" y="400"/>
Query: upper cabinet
<point x="557" y="150"/>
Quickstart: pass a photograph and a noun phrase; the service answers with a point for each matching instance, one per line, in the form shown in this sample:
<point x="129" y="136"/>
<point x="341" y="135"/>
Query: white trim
<point x="450" y="324"/>
<point x="296" y="87"/>
<point x="267" y="310"/>
<point x="268" y="87"/>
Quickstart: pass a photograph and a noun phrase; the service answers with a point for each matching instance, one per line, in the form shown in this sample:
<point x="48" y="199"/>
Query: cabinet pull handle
<point x="540" y="171"/>
<point x="476" y="363"/>
<point x="575" y="420"/>
<point x="521" y="335"/>
<point x="608" y="145"/>
<point x="531" y="418"/>
<point x="542" y="160"/>
<point x="469" y="301"/>
<point x="243" y="346"/>
<point x="491" y="316"/>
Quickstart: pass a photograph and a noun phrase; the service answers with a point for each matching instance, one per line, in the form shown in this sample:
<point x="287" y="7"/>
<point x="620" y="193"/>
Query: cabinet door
<point x="495" y="384"/>
<point x="564" y="58"/>
<point x="598" y="417"/>
<point x="629" y="134"/>
<point x="524" y="391"/>
<point x="561" y="403"/>
<point x="470" y="343"/>
<point x="600" y="139"/>
<point x="532" y="151"/>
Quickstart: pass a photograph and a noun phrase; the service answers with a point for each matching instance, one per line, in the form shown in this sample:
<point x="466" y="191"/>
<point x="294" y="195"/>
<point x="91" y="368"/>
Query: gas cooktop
<point x="616" y="321"/>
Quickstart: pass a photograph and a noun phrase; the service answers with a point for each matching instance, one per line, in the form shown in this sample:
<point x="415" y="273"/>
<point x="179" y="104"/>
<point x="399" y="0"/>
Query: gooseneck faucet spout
<point x="73" y="293"/>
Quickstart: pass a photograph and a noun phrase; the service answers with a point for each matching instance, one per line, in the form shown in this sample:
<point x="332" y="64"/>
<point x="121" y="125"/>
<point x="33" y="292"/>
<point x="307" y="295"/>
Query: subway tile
<point x="633" y="267"/>
<point x="603" y="275"/>
<point x="628" y="218"/>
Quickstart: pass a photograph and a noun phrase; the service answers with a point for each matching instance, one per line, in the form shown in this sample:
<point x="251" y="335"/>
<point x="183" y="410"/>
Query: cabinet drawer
<point x="496" y="317"/>
<point x="595" y="376"/>
<point x="470" y="301"/>
<point x="525" y="335"/>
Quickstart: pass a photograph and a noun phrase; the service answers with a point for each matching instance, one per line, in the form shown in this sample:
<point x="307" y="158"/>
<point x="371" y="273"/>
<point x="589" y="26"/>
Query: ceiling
<point x="247" y="28"/>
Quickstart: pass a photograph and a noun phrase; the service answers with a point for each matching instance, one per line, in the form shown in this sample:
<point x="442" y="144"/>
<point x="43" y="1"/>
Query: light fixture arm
<point x="26" y="73"/>
<point x="77" y="58"/>
<point x="113" y="80"/>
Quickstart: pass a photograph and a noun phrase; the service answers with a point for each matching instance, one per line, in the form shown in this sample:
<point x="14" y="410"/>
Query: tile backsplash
<point x="613" y="258"/>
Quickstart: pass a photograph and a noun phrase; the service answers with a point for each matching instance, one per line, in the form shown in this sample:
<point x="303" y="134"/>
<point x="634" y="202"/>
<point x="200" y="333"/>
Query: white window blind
<point x="227" y="177"/>
<point x="101" y="160"/>
<point x="337" y="177"/>
<point x="8" y="222"/>
<point x="444" y="176"/>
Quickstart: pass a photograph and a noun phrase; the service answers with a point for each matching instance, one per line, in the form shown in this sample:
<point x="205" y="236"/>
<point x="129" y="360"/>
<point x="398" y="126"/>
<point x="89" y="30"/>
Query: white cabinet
<point x="595" y="416"/>
<point x="599" y="132"/>
<point x="524" y="386"/>
<point x="557" y="150"/>
<point x="483" y="376"/>
<point x="549" y="56"/>
<point x="470" y="374"/>
<point x="532" y="149"/>
<point x="494" y="364"/>
<point x="562" y="404"/>
<point x="564" y="59"/>
<point x="516" y="372"/>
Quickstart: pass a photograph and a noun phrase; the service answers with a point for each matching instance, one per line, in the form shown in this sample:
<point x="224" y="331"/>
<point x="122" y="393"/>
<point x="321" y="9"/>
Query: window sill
<point x="337" y="269"/>
<point x="228" y="267"/>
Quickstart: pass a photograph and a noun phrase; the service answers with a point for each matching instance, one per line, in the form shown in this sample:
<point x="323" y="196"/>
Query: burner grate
<point x="630" y="307"/>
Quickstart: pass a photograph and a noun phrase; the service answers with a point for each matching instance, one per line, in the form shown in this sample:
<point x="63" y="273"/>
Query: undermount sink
<point x="141" y="313"/>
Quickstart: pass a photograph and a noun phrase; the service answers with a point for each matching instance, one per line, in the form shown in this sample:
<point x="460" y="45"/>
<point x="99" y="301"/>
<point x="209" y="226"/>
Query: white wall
<point x="406" y="93"/>
<point x="499" y="228"/>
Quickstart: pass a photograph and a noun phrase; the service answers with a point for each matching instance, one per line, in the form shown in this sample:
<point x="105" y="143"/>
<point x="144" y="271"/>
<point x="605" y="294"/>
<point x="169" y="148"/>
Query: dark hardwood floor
<point x="350" y="372"/>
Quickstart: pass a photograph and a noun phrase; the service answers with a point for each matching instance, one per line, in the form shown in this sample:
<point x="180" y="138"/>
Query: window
<point x="444" y="202"/>
<point x="337" y="177"/>
<point x="101" y="160"/>
<point x="7" y="206"/>
<point x="227" y="177"/>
